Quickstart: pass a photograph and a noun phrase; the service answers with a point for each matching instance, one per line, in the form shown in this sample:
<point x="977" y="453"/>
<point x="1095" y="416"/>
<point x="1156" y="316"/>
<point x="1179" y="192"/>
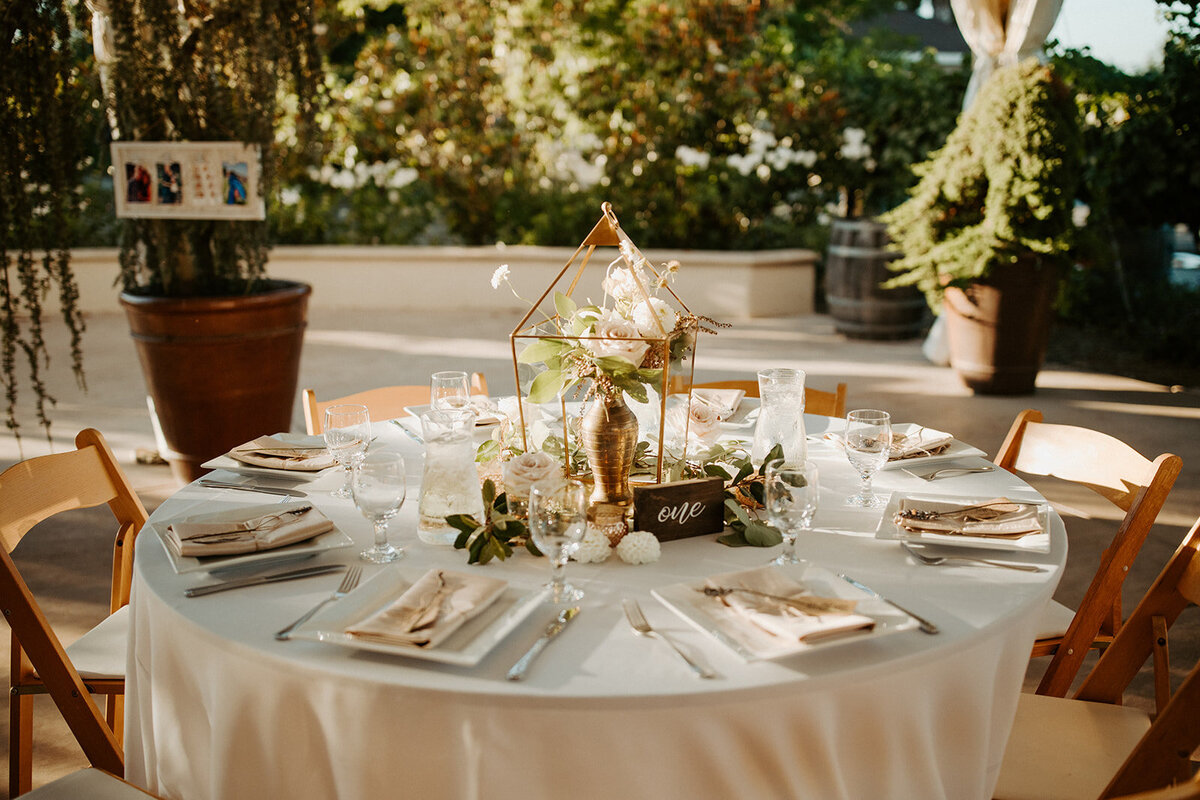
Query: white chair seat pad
<point x="100" y="653"/>
<point x="1054" y="621"/>
<point x="1063" y="749"/>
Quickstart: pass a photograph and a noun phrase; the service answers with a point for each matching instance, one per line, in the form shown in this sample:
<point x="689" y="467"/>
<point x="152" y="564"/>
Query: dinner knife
<point x="553" y="629"/>
<point x="245" y="487"/>
<point x="255" y="580"/>
<point x="924" y="624"/>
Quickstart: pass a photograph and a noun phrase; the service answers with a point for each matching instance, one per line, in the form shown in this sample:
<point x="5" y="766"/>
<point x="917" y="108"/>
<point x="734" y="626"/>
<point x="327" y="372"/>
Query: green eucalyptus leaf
<point x="532" y="548"/>
<point x="488" y="451"/>
<point x="734" y="539"/>
<point x="759" y="534"/>
<point x="463" y="522"/>
<point x="745" y="472"/>
<point x="617" y="366"/>
<point x="758" y="491"/>
<point x="542" y="349"/>
<point x="775" y="454"/>
<point x="717" y="471"/>
<point x="564" y="306"/>
<point x="489" y="493"/>
<point x="546" y="386"/>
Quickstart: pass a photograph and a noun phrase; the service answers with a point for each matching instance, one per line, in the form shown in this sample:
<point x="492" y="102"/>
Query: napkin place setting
<point x="246" y="530"/>
<point x="999" y="518"/>
<point x="773" y="614"/>
<point x="430" y="610"/>
<point x="274" y="452"/>
<point x="908" y="441"/>
<point x="723" y="402"/>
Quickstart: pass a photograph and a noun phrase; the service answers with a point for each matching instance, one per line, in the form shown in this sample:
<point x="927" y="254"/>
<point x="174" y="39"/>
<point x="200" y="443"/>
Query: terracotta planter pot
<point x="998" y="328"/>
<point x="221" y="370"/>
<point x="856" y="263"/>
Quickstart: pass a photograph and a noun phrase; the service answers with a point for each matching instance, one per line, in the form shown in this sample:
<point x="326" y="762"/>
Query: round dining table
<point x="217" y="708"/>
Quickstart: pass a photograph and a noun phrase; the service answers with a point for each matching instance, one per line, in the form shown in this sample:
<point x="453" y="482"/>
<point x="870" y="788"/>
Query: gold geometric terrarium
<point x="625" y="359"/>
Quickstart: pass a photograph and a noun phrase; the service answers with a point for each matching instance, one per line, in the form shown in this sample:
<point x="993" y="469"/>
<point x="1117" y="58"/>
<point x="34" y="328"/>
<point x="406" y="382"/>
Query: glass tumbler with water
<point x="449" y="480"/>
<point x="780" y="415"/>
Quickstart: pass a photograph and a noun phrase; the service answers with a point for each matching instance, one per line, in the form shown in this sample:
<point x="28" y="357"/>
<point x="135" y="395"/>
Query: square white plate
<point x="1032" y="543"/>
<point x="330" y="540"/>
<point x="465" y="647"/>
<point x="688" y="601"/>
<point x="297" y="439"/>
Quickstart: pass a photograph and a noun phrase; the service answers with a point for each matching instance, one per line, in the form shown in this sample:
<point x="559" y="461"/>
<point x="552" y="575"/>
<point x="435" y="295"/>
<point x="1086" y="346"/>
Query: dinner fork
<point x="933" y="561"/>
<point x="937" y="473"/>
<point x="637" y="621"/>
<point x="349" y="581"/>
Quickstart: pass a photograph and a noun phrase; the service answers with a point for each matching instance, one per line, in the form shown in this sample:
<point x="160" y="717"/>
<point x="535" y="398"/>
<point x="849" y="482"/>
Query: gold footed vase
<point x="609" y="434"/>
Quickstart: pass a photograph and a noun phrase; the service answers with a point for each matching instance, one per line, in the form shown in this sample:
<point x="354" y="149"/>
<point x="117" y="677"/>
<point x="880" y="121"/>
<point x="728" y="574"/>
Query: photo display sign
<point x="187" y="180"/>
<point x="681" y="509"/>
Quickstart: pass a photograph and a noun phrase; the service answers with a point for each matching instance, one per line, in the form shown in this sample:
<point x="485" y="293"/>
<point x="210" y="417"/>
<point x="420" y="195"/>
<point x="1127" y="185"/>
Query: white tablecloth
<point x="217" y="708"/>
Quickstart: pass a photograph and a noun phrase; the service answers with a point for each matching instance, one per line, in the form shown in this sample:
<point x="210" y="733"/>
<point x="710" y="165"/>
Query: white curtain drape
<point x="1002" y="32"/>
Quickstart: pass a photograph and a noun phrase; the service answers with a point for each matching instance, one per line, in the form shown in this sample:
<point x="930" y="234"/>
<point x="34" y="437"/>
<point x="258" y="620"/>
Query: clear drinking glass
<point x="557" y="522"/>
<point x="347" y="435"/>
<point x="791" y="498"/>
<point x="379" y="489"/>
<point x="780" y="415"/>
<point x="450" y="479"/>
<point x="868" y="439"/>
<point x="449" y="391"/>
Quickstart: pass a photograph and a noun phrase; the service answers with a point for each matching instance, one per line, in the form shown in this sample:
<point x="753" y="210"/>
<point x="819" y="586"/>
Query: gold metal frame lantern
<point x="666" y="367"/>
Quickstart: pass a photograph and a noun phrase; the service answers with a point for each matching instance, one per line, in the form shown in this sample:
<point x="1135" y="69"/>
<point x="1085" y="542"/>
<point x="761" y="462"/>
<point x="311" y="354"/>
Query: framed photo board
<point x="187" y="180"/>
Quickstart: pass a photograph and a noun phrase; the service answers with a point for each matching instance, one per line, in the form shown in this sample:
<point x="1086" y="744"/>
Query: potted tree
<point x="218" y="341"/>
<point x="987" y="233"/>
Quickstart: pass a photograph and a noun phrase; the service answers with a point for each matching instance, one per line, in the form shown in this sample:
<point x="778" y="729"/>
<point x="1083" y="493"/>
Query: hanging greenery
<point x="39" y="173"/>
<point x="1002" y="188"/>
<point x="199" y="71"/>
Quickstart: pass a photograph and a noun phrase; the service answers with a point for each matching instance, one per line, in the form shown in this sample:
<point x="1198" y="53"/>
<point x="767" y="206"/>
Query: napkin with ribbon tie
<point x="1000" y="518"/>
<point x="724" y="402"/>
<point x="771" y="614"/>
<point x="273" y="452"/>
<point x="247" y="530"/>
<point x="434" y="607"/>
<point x="917" y="443"/>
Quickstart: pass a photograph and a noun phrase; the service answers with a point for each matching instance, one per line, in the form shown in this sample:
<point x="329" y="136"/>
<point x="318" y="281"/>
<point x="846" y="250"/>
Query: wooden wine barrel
<point x="855" y="266"/>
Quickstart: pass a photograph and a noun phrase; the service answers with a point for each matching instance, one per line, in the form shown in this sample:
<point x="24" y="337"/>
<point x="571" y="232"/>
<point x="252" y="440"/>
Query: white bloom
<point x="289" y="196"/>
<point x="701" y="421"/>
<point x="691" y="157"/>
<point x="645" y="312"/>
<point x="617" y="338"/>
<point x="639" y="547"/>
<point x="500" y="275"/>
<point x="593" y="548"/>
<point x="1080" y="214"/>
<point x="744" y="164"/>
<point x="527" y="469"/>
<point x="854" y="145"/>
<point x="620" y="285"/>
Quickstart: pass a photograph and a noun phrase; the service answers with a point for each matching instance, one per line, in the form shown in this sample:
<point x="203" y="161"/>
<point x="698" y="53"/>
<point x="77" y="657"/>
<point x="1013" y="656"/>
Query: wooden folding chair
<point x="1128" y="480"/>
<point x="816" y="401"/>
<point x="31" y="492"/>
<point x="1090" y="746"/>
<point x="385" y="402"/>
<point x="92" y="784"/>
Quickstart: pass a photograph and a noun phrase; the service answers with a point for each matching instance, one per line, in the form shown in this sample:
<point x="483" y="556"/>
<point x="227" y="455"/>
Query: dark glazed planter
<point x="998" y="328"/>
<point x="221" y="370"/>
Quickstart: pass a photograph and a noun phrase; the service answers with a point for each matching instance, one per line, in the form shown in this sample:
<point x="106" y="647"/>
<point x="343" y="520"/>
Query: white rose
<point x="617" y="338"/>
<point x="620" y="285"/>
<point x="527" y="469"/>
<point x="701" y="420"/>
<point x="645" y="312"/>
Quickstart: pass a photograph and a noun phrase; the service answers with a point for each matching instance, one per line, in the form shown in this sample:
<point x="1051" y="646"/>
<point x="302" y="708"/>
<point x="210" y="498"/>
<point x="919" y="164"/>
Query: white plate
<point x="1033" y="543"/>
<point x="297" y="439"/>
<point x="330" y="540"/>
<point x="956" y="449"/>
<point x="686" y="600"/>
<point x="465" y="647"/>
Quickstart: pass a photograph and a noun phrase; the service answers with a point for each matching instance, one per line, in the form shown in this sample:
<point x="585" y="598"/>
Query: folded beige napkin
<point x="999" y="518"/>
<point x="770" y="625"/>
<point x="724" y="402"/>
<point x="922" y="442"/>
<point x="274" y="453"/>
<point x="431" y="609"/>
<point x="247" y="530"/>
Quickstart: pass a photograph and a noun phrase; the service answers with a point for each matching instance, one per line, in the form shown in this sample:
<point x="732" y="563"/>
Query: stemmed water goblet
<point x="868" y="440"/>
<point x="347" y="435"/>
<point x="557" y="522"/>
<point x="791" y="495"/>
<point x="379" y="489"/>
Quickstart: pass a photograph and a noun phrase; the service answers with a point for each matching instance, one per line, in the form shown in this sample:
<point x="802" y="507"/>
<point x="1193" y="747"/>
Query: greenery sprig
<point x="494" y="537"/>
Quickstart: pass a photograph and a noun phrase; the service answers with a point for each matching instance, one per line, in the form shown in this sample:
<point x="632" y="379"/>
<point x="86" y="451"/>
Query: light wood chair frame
<point x="816" y="401"/>
<point x="30" y="492"/>
<point x="385" y="402"/>
<point x="1133" y="483"/>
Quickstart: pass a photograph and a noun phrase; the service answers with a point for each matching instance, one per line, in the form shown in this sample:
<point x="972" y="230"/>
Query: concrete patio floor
<point x="350" y="350"/>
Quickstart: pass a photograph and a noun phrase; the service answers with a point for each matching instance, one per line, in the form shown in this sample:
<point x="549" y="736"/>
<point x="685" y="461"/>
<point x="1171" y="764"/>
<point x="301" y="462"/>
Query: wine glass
<point x="379" y="489"/>
<point x="791" y="498"/>
<point x="347" y="435"/>
<point x="868" y="439"/>
<point x="449" y="391"/>
<point x="557" y="522"/>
